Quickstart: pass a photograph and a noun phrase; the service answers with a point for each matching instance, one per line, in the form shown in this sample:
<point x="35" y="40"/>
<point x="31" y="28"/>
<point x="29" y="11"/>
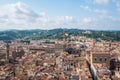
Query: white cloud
<point x="61" y="20"/>
<point x="17" y="13"/>
<point x="87" y="20"/>
<point x="85" y="8"/>
<point x="96" y="11"/>
<point x="68" y="18"/>
<point x="20" y="16"/>
<point x="42" y="14"/>
<point x="101" y="1"/>
<point x="64" y="18"/>
<point x="100" y="12"/>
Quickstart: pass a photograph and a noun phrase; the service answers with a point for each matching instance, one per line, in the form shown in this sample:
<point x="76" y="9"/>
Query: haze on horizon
<point x="50" y="14"/>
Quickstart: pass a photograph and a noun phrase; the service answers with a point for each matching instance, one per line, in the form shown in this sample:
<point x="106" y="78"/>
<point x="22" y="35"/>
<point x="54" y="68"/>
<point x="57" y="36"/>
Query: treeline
<point x="105" y="35"/>
<point x="57" y="34"/>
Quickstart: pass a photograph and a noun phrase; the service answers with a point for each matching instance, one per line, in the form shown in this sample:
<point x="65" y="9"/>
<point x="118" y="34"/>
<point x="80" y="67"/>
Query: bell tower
<point x="7" y="52"/>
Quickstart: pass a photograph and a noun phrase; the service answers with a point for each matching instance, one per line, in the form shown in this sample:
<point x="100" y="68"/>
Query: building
<point x="101" y="57"/>
<point x="59" y="47"/>
<point x="100" y="64"/>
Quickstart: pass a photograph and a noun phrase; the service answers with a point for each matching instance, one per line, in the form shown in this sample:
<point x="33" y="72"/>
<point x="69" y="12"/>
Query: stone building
<point x="101" y="57"/>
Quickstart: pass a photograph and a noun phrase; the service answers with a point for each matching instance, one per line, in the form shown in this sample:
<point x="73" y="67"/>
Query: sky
<point x="50" y="14"/>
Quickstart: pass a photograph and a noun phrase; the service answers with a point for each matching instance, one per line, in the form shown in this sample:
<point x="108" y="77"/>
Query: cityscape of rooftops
<point x="59" y="39"/>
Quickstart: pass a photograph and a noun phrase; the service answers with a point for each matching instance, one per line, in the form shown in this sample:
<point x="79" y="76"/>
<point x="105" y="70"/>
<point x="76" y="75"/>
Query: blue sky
<point x="49" y="14"/>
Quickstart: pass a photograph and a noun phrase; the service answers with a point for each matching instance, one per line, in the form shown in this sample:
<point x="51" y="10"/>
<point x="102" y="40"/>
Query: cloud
<point x="96" y="11"/>
<point x="17" y="13"/>
<point x="100" y="12"/>
<point x="85" y="8"/>
<point x="63" y="20"/>
<point x="87" y="20"/>
<point x="68" y="18"/>
<point x="42" y="14"/>
<point x="20" y="16"/>
<point x="101" y="1"/>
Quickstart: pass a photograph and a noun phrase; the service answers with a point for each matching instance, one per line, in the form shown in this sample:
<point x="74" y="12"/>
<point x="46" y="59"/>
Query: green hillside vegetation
<point x="57" y="34"/>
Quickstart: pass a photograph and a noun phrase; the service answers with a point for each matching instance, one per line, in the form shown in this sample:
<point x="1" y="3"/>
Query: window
<point x="100" y="59"/>
<point x="105" y="59"/>
<point x="95" y="59"/>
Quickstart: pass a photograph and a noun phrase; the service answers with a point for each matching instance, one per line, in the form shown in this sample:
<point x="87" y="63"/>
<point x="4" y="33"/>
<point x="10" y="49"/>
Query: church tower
<point x="7" y="52"/>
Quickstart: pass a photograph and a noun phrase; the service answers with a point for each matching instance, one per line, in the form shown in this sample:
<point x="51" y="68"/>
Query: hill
<point x="38" y="34"/>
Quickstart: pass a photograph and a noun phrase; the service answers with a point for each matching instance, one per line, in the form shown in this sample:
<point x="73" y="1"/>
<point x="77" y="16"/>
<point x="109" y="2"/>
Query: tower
<point x="7" y="52"/>
<point x="64" y="36"/>
<point x="64" y="39"/>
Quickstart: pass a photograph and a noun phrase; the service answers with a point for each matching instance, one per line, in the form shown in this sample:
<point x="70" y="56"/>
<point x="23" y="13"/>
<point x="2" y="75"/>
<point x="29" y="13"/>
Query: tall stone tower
<point x="7" y="52"/>
<point x="64" y="38"/>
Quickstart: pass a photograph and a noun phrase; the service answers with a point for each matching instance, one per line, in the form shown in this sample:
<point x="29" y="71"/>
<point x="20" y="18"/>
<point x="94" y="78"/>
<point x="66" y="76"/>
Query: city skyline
<point x="50" y="14"/>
